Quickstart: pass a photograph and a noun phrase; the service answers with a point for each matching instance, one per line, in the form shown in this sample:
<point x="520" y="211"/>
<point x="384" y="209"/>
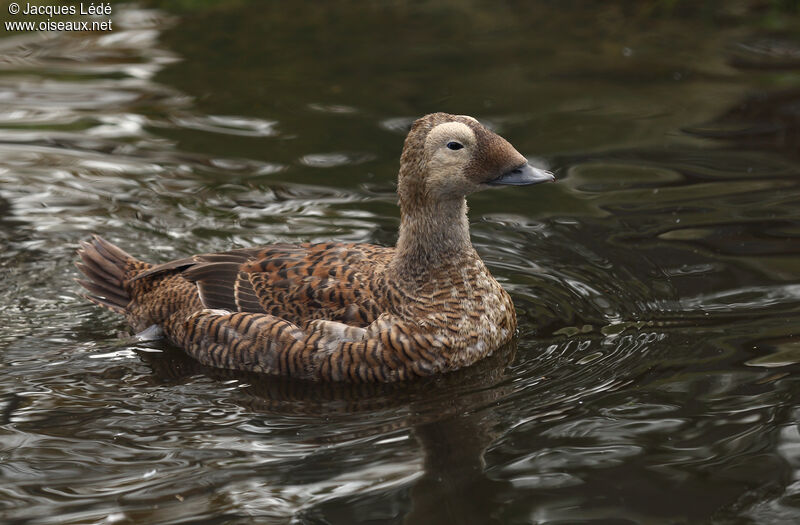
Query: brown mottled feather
<point x="334" y="311"/>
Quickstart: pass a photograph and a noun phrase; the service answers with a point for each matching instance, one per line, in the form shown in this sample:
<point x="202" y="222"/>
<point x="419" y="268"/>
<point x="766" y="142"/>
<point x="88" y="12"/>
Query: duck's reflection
<point x="443" y="414"/>
<point x="455" y="487"/>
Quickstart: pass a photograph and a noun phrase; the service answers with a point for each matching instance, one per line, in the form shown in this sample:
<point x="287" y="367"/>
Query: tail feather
<point x="105" y="290"/>
<point x="98" y="264"/>
<point x="105" y="267"/>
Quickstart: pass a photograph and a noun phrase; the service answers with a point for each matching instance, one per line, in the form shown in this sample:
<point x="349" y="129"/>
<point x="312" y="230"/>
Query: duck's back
<point x="299" y="283"/>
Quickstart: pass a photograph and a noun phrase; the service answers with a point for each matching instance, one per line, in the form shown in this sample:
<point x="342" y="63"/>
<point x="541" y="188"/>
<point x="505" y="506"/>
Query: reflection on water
<point x="653" y="380"/>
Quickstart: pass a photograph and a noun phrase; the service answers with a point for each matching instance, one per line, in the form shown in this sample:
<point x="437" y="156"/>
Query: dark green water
<point x="656" y="376"/>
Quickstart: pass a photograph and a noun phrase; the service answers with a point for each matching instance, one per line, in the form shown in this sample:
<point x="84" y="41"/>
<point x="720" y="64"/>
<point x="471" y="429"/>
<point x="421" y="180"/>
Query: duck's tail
<point x="108" y="269"/>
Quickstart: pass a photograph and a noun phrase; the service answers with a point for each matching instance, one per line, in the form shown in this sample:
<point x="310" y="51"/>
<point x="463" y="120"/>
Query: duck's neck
<point x="433" y="235"/>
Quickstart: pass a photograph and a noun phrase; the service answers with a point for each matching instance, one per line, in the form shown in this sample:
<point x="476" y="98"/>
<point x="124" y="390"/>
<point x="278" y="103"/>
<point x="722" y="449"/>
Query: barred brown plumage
<point x="341" y="311"/>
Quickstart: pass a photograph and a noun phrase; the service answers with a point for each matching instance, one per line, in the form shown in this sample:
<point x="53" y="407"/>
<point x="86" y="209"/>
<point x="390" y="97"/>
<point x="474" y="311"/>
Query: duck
<point x="333" y="311"/>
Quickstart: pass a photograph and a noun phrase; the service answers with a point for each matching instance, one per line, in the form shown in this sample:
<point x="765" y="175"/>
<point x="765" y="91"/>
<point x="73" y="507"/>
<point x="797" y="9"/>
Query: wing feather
<point x="299" y="283"/>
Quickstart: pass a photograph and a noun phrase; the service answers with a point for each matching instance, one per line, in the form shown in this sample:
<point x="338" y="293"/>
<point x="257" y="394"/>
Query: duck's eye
<point x="454" y="145"/>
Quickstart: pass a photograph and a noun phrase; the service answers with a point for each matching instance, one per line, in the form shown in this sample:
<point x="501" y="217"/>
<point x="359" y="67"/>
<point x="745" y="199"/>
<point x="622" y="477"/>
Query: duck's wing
<point x="298" y="283"/>
<point x="389" y="349"/>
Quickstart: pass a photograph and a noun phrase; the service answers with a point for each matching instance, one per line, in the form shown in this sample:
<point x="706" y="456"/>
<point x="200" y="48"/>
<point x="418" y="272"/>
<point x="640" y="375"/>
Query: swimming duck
<point x="341" y="311"/>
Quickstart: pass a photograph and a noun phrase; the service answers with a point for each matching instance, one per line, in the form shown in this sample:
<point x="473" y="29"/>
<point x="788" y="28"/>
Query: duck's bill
<point x="522" y="176"/>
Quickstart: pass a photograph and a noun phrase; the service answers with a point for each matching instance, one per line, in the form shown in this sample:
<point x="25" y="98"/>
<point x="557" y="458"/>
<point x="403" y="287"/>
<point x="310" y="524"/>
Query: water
<point x="654" y="379"/>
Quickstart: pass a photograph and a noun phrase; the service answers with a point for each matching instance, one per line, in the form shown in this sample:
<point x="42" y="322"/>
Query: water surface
<point x="654" y="376"/>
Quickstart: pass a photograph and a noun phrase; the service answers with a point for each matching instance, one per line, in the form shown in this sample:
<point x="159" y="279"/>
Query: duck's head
<point x="447" y="157"/>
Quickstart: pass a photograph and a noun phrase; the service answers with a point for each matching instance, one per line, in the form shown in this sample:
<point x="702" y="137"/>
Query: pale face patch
<point x="446" y="164"/>
<point x="440" y="135"/>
